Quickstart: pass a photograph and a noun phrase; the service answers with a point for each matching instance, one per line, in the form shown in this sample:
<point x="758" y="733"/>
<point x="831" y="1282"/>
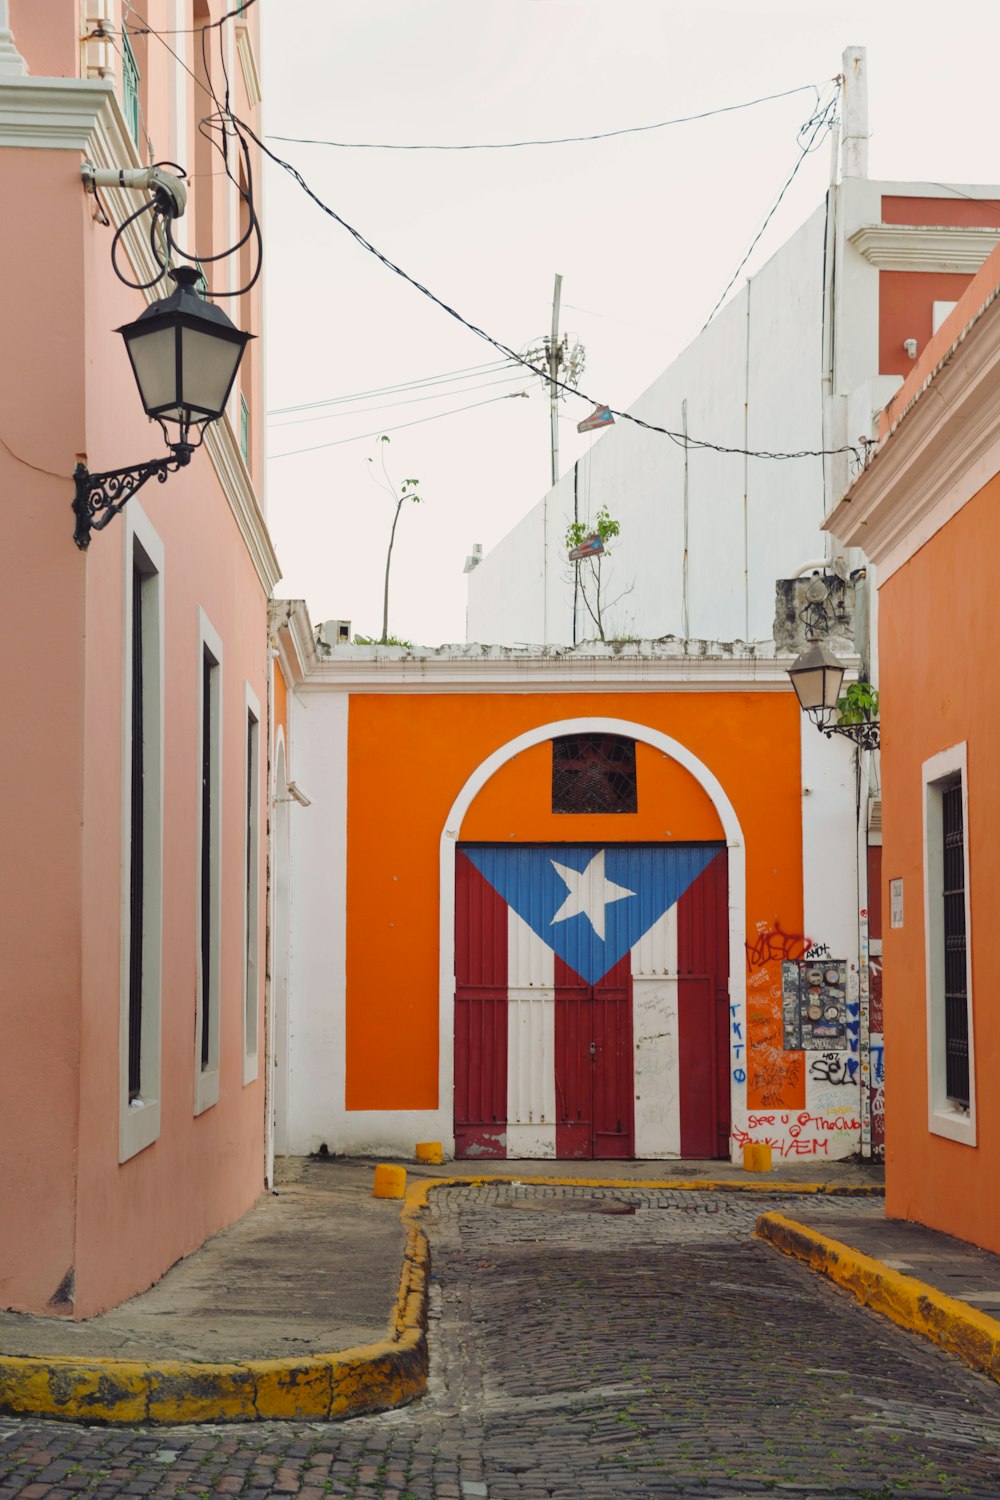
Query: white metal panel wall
<point x="655" y="1040"/>
<point x="531" y="1042"/>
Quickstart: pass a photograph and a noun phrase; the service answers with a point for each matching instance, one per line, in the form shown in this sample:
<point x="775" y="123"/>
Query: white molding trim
<point x="206" y="1078"/>
<point x="12" y="64"/>
<point x="55" y="114"/>
<point x="942" y="450"/>
<point x="501" y="669"/>
<point x="223" y="449"/>
<point x="252" y="945"/>
<point x="248" y="63"/>
<point x="736" y="851"/>
<point x="944" y="1118"/>
<point x="920" y="247"/>
<point x="139" y="1122"/>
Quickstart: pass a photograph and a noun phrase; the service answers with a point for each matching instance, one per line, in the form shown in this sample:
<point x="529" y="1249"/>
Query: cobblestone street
<point x="593" y="1343"/>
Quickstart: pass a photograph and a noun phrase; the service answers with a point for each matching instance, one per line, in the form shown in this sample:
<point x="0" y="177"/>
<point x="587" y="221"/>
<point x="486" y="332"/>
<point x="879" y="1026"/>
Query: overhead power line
<point x="684" y="440"/>
<point x="810" y="136"/>
<point x="402" y="385"/>
<point x="398" y="426"/>
<point x="560" y="140"/>
<point x="333" y="416"/>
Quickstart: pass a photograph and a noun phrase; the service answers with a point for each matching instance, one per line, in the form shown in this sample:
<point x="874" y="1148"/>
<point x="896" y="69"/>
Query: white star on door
<point x="589" y="892"/>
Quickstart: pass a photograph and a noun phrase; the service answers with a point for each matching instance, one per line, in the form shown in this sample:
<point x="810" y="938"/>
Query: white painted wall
<point x="759" y="376"/>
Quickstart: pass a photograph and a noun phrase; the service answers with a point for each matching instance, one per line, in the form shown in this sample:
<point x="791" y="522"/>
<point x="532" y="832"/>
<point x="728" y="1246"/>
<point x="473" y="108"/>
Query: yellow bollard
<point x="390" y="1182"/>
<point x="429" y="1151"/>
<point x="756" y="1158"/>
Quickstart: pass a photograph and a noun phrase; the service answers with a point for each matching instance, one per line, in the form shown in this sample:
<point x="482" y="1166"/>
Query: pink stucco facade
<point x="90" y="1218"/>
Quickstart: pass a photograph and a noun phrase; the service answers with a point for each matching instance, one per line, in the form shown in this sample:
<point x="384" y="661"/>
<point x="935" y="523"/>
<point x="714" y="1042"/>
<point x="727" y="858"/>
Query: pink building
<point x="133" y="880"/>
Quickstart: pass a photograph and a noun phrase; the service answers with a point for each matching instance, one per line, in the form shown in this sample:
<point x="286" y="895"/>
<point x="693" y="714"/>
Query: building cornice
<point x="291" y="634"/>
<point x="55" y="114"/>
<point x="919" y="247"/>
<point x="941" y="451"/>
<point x="497" y="670"/>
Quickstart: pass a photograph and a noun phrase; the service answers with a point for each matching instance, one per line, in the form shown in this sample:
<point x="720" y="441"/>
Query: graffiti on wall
<point x="876" y="1049"/>
<point x="796" y="1133"/>
<point x="773" y="1075"/>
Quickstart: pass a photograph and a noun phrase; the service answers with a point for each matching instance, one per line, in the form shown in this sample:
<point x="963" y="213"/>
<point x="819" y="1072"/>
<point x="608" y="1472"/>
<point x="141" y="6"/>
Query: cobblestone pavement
<point x="591" y="1344"/>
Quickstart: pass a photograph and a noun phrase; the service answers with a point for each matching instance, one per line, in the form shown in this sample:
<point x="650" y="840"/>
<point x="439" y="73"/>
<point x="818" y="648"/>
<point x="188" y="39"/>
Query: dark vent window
<point x="956" y="1000"/>
<point x="593" y="773"/>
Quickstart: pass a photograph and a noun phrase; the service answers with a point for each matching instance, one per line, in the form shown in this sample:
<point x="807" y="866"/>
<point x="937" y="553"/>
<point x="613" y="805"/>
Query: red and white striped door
<point x="591" y="1004"/>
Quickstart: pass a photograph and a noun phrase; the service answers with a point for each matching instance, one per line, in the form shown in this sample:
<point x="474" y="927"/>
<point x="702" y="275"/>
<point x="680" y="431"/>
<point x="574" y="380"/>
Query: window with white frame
<point x="130" y="88"/>
<point x="209" y="883"/>
<point x="251" y="888"/>
<point x="142" y="839"/>
<point x="950" y="1050"/>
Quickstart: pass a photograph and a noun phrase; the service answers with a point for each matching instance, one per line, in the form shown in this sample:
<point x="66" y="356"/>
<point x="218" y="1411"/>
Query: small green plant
<point x="588" y="575"/>
<point x="374" y="640"/>
<point x="859" y="704"/>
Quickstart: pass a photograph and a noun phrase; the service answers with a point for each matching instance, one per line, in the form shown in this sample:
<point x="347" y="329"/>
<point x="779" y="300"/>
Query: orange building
<point x="559" y="904"/>
<point x="926" y="513"/>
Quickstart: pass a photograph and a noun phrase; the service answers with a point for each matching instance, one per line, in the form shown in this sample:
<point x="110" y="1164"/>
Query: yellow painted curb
<point x="369" y="1378"/>
<point x="960" y="1329"/>
<point x="321" y="1387"/>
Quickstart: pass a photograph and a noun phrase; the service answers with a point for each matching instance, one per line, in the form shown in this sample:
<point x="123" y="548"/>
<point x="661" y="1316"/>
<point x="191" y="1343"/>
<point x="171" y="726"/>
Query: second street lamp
<point x="817" y="677"/>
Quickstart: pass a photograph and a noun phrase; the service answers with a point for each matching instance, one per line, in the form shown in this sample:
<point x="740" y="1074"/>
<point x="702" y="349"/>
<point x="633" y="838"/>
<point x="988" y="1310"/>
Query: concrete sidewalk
<point x="243" y="1329"/>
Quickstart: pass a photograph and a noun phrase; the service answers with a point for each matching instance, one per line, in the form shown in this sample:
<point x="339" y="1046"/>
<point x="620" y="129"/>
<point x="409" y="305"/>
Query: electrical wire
<point x="683" y="440"/>
<point x="147" y="30"/>
<point x="386" y="390"/>
<point x="562" y="140"/>
<point x="398" y="427"/>
<point x="679" y="438"/>
<point x="821" y="122"/>
<point x="403" y="401"/>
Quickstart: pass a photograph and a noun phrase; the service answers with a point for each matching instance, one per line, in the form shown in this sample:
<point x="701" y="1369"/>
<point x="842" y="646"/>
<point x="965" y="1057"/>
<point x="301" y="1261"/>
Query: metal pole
<point x="553" y="373"/>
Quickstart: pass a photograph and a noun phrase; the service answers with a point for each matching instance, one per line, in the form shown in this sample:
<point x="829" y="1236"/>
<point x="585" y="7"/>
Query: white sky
<point x="646" y="231"/>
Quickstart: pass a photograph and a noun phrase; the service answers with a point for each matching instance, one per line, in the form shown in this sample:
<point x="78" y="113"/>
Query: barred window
<point x="593" y="773"/>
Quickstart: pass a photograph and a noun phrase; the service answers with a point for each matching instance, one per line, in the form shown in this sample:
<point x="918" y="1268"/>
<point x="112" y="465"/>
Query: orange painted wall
<point x="409" y="757"/>
<point x="906" y="311"/>
<point x="279" y="706"/>
<point x="932" y="614"/>
<point x="983" y="213"/>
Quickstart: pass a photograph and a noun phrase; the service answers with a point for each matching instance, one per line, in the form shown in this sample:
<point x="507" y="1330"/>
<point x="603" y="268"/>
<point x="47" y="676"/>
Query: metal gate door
<point x="591" y="1001"/>
<point x="593" y="1056"/>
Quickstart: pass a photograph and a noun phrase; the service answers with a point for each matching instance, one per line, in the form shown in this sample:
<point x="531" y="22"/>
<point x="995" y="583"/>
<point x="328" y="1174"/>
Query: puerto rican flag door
<point x="591" y="1001"/>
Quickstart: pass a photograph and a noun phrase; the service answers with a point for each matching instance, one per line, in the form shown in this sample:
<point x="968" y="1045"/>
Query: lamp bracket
<point x="865" y="734"/>
<point x="99" y="497"/>
<point x="168" y="189"/>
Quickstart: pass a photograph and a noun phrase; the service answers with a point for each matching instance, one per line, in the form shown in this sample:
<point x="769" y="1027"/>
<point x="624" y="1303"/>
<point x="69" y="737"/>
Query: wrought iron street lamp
<point x="817" y="677"/>
<point x="184" y="353"/>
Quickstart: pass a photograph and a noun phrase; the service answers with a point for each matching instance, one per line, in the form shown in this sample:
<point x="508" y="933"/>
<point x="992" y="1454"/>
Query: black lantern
<point x="184" y="354"/>
<point x="817" y="677"/>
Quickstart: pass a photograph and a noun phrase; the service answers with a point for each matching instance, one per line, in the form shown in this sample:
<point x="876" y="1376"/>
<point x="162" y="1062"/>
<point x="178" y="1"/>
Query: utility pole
<point x="555" y="359"/>
<point x="854" y="138"/>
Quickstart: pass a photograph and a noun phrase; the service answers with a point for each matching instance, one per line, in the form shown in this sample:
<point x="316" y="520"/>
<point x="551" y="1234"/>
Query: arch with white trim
<point x="736" y="858"/>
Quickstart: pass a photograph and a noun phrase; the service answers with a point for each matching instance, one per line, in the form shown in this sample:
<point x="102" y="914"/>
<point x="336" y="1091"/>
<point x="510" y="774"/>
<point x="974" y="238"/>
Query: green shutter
<point x="244" y="429"/>
<point x="130" y="88"/>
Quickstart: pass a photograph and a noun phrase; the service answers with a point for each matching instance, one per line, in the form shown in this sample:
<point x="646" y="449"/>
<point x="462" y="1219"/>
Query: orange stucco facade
<point x="409" y="758"/>
<point x="934" y="612"/>
<point x="925" y="511"/>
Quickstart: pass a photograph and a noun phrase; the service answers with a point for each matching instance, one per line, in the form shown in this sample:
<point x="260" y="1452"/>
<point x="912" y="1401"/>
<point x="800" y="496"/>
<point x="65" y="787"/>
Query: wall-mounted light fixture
<point x="185" y="354"/>
<point x="817" y="677"/>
